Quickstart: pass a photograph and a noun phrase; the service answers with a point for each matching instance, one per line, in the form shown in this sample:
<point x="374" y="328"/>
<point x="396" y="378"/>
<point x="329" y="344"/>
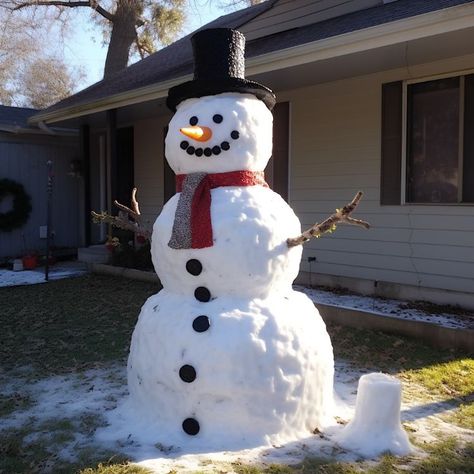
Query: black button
<point x="190" y="150"/>
<point x="191" y="426"/>
<point x="194" y="267"/>
<point x="216" y="150"/>
<point x="225" y="145"/>
<point x="202" y="294"/>
<point x="235" y="134"/>
<point x="184" y="144"/>
<point x="198" y="151"/>
<point x="207" y="151"/>
<point x="201" y="324"/>
<point x="187" y="373"/>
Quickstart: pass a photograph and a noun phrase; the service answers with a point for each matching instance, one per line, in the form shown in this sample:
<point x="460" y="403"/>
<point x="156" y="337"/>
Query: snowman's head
<point x="220" y="133"/>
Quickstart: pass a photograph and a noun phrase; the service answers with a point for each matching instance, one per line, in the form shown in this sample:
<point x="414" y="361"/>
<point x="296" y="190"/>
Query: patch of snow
<point x="68" y="398"/>
<point x="33" y="277"/>
<point x="385" y="307"/>
<point x="96" y="393"/>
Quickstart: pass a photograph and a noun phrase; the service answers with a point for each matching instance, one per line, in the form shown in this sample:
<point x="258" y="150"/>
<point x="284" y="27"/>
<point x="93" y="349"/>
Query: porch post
<point x="112" y="158"/>
<point x="84" y="149"/>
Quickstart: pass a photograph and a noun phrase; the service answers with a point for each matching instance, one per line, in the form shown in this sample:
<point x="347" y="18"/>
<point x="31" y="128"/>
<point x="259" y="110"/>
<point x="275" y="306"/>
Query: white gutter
<point x="400" y="31"/>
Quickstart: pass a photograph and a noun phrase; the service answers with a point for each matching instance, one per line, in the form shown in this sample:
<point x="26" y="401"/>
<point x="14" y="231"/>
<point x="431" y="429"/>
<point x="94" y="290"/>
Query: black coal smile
<point x="208" y="151"/>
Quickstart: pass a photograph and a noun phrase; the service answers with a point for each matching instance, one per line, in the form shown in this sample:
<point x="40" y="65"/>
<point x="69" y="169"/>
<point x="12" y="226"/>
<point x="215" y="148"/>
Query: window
<point x="439" y="139"/>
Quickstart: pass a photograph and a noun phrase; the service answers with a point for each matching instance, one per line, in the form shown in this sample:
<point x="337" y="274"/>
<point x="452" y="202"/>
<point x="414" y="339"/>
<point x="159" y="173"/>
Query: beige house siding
<point x="335" y="143"/>
<point x="148" y="142"/>
<point x="335" y="151"/>
<point x="288" y="14"/>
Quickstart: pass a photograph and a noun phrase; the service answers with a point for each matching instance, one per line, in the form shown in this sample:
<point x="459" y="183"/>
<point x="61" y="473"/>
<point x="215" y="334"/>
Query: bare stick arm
<point x="341" y="216"/>
<point x="122" y="221"/>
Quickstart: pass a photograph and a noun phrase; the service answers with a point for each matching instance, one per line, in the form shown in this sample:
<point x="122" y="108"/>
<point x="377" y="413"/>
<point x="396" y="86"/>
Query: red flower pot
<point x="30" y="262"/>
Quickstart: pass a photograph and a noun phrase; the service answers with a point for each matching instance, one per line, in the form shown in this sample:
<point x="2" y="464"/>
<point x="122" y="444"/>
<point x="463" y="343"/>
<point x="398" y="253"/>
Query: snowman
<point x="227" y="355"/>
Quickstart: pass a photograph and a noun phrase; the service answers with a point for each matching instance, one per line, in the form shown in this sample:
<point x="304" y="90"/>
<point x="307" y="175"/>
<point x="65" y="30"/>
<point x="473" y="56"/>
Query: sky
<point x="83" y="50"/>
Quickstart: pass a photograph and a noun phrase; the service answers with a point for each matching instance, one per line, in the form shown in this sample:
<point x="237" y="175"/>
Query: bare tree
<point x="238" y="4"/>
<point x="128" y="25"/>
<point x="29" y="77"/>
<point x="14" y="44"/>
<point x="46" y="81"/>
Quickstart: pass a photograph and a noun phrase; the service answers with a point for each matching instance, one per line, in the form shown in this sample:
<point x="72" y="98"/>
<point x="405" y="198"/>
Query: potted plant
<point x="30" y="261"/>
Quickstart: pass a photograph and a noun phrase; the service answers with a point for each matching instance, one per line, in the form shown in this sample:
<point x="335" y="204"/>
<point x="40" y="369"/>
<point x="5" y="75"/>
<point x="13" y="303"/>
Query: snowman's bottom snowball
<point x="263" y="370"/>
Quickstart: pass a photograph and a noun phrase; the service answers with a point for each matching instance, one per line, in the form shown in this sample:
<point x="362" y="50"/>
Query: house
<point x="24" y="152"/>
<point x="373" y="95"/>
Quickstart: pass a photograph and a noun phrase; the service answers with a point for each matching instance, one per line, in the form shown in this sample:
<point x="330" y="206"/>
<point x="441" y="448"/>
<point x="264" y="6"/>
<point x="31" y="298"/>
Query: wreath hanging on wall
<point x="21" y="205"/>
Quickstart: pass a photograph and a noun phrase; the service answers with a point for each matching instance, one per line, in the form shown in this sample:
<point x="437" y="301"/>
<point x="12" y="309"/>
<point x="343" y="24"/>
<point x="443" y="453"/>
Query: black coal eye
<point x="217" y="118"/>
<point x="193" y="120"/>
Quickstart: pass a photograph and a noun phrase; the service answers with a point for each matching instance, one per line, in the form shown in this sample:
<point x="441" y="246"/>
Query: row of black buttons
<point x="187" y="372"/>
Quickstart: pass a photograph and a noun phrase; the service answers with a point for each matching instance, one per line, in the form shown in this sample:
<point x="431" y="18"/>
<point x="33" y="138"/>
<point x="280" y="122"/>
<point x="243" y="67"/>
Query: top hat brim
<point x="200" y="88"/>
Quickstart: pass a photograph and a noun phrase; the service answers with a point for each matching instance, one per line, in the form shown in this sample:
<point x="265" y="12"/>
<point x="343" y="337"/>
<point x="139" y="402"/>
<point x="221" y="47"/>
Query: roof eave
<point x="425" y="25"/>
<point x="19" y="130"/>
<point x="134" y="96"/>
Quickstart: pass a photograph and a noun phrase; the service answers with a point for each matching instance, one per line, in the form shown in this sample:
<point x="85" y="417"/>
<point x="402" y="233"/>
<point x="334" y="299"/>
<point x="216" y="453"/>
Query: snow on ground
<point x="387" y="307"/>
<point x="32" y="277"/>
<point x="93" y="395"/>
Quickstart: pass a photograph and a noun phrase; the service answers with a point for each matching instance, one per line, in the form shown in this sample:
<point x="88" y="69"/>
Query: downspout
<point x="45" y="128"/>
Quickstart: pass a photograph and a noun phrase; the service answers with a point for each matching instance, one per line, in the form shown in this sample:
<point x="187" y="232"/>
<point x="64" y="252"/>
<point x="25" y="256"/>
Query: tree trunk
<point x="122" y="36"/>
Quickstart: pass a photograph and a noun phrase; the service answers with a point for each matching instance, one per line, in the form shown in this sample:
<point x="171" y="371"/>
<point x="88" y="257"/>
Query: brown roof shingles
<point x="176" y="60"/>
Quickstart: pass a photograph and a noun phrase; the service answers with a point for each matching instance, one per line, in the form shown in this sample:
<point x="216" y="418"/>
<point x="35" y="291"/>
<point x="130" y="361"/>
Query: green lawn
<point x="69" y="326"/>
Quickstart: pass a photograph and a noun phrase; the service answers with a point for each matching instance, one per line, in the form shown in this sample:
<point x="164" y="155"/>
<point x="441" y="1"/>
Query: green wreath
<point x="21" y="205"/>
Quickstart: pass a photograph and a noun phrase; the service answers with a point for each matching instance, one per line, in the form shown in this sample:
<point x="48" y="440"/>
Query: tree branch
<point x="341" y="216"/>
<point x="64" y="3"/>
<point x="139" y="48"/>
<point x="122" y="221"/>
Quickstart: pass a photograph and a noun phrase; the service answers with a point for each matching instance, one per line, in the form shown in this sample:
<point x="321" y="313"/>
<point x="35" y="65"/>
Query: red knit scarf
<point x="195" y="230"/>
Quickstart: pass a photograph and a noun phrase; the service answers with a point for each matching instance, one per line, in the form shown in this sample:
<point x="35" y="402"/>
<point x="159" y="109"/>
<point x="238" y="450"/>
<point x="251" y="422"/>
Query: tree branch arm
<point x="341" y="216"/>
<point x="121" y="222"/>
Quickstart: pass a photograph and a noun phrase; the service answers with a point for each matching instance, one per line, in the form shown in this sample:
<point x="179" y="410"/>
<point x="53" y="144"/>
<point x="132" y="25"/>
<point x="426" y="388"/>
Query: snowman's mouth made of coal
<point x="208" y="151"/>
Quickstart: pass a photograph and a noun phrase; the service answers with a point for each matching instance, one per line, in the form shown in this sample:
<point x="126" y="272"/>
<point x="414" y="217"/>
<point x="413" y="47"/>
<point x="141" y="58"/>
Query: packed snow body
<point x="263" y="370"/>
<point x="376" y="427"/>
<point x="249" y="363"/>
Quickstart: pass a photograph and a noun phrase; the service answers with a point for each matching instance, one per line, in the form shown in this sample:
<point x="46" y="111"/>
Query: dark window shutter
<point x="169" y="178"/>
<point x="85" y="154"/>
<point x="276" y="172"/>
<point x="390" y="179"/>
<point x="125" y="165"/>
<point x="468" y="160"/>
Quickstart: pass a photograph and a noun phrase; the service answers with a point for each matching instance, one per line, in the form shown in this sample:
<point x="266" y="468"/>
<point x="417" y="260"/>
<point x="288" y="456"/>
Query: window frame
<point x="405" y="83"/>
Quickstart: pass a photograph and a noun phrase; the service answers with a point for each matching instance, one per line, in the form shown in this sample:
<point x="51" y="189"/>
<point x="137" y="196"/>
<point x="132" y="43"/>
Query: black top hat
<point x="219" y="66"/>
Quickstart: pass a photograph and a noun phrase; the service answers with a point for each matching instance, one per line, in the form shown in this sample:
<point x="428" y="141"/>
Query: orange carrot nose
<point x="201" y="134"/>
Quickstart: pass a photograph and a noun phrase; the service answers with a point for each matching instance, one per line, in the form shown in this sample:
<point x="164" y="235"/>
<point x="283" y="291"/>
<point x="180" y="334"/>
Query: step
<point x="93" y="254"/>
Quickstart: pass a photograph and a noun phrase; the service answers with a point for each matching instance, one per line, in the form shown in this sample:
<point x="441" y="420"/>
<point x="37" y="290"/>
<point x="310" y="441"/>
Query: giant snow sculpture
<point x="227" y="354"/>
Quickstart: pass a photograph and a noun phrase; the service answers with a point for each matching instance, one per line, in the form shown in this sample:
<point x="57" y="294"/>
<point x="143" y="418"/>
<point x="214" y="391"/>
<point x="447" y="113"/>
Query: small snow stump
<point x="376" y="426"/>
